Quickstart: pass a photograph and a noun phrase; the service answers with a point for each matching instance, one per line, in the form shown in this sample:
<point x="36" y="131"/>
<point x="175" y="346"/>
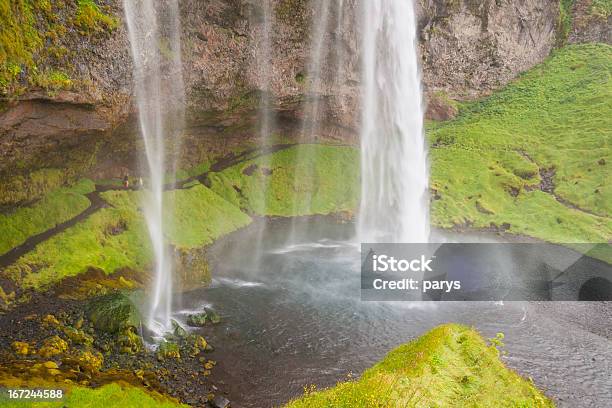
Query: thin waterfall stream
<point x="152" y="25"/>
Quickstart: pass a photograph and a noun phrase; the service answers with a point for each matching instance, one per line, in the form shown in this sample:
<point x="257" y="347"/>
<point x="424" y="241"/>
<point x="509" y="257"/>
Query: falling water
<point x="153" y="28"/>
<point x="394" y="179"/>
<point x="311" y="121"/>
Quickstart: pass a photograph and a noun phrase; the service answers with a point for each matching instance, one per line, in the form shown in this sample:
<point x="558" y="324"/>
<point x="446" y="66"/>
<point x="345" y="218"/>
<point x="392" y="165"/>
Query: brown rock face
<point x="310" y="80"/>
<point x="589" y="24"/>
<point x="472" y="47"/>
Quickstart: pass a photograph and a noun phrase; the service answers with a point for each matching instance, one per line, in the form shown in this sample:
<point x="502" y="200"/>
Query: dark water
<point x="293" y="317"/>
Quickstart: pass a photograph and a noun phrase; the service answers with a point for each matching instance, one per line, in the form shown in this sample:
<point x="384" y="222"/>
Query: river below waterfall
<point x="292" y="316"/>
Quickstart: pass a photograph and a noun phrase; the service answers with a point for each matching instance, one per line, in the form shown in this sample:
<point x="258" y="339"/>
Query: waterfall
<point x="154" y="35"/>
<point x="394" y="177"/>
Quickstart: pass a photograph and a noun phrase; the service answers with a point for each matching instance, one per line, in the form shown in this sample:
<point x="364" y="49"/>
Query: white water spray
<point x="154" y="26"/>
<point x="394" y="179"/>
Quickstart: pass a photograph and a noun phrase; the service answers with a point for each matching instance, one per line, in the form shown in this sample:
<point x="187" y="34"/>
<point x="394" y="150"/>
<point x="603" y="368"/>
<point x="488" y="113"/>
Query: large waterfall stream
<point x="393" y="158"/>
<point x="154" y="26"/>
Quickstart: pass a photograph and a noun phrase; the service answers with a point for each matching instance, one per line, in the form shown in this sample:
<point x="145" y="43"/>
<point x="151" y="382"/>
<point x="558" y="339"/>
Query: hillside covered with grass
<point x="450" y="366"/>
<point x="535" y="157"/>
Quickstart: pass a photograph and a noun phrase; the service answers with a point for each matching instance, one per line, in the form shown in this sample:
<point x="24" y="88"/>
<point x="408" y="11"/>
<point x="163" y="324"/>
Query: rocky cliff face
<point x="469" y="47"/>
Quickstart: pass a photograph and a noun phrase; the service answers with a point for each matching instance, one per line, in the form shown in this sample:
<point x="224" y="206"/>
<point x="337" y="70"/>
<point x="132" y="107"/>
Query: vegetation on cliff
<point x="115" y="237"/>
<point x="302" y="180"/>
<point x="32" y="48"/>
<point x="534" y="158"/>
<point x="56" y="207"/>
<point x="450" y="366"/>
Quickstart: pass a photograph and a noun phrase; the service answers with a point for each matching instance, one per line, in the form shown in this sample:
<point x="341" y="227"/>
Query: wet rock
<point x="197" y="319"/>
<point x="213" y="316"/>
<point x="90" y="362"/>
<point x="220" y="402"/>
<point x="53" y="346"/>
<point x="50" y="364"/>
<point x="50" y="320"/>
<point x="20" y="348"/>
<point x="78" y="336"/>
<point x="177" y="330"/>
<point x="168" y="349"/>
<point x="129" y="341"/>
<point x="113" y="313"/>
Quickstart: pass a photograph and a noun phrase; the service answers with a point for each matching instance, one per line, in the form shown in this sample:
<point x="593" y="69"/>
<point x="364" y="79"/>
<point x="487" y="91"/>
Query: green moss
<point x="115" y="238"/>
<point x="113" y="313"/>
<point x="555" y="118"/>
<point x="31" y="35"/>
<point x="301" y="180"/>
<point x="601" y="9"/>
<point x="564" y="23"/>
<point x="200" y="216"/>
<point x="108" y="240"/>
<point x="109" y="395"/>
<point x="90" y="19"/>
<point x="51" y="80"/>
<point x="18" y="39"/>
<point x="450" y="366"/>
<point x="31" y="186"/>
<point x="56" y="207"/>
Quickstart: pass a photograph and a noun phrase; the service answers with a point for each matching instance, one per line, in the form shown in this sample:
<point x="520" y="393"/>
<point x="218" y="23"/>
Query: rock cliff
<point x="67" y="94"/>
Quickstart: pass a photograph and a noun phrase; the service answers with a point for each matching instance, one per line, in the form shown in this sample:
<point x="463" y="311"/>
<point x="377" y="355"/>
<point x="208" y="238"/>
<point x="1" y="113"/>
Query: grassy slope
<point x="109" y="395"/>
<point x="304" y="180"/>
<point x="450" y="366"/>
<point x="54" y="208"/>
<point x="201" y="216"/>
<point x="116" y="237"/>
<point x="559" y="116"/>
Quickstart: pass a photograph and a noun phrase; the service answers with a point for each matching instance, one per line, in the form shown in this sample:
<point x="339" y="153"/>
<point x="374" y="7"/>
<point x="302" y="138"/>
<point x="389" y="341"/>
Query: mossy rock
<point x="114" y="312"/>
<point x="178" y="330"/>
<point x="200" y="319"/>
<point x="168" y="349"/>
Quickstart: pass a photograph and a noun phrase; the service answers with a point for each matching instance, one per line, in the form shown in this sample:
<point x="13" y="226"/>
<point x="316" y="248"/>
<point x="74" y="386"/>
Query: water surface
<point x="292" y="317"/>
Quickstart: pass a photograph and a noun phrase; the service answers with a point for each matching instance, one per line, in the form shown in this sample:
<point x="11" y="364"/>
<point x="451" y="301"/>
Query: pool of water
<point x="293" y="316"/>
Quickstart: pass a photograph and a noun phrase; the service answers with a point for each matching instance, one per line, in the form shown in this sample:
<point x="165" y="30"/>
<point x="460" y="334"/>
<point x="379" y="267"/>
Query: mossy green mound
<point x="56" y="207"/>
<point x="114" y="312"/>
<point x="535" y="156"/>
<point x="450" y="366"/>
<point x="110" y="395"/>
<point x="301" y="180"/>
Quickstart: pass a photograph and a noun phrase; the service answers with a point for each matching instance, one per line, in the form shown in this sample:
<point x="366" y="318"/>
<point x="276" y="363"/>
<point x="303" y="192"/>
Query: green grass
<point x="109" y="395"/>
<point x="116" y="237"/>
<point x="56" y="207"/>
<point x="34" y="185"/>
<point x="601" y="9"/>
<point x="485" y="164"/>
<point x="109" y="239"/>
<point x="450" y="366"/>
<point x="301" y="180"/>
<point x="200" y="216"/>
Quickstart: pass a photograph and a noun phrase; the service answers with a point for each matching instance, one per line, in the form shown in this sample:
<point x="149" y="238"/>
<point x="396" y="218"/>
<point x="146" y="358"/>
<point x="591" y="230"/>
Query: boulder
<point x="197" y="319"/>
<point x="177" y="330"/>
<point x="114" y="312"/>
